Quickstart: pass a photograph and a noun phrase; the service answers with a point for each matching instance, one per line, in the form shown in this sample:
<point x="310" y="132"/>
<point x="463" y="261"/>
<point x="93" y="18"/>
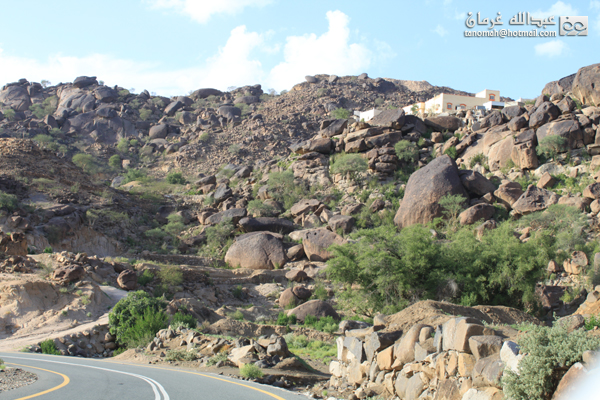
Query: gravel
<point x="12" y="378"/>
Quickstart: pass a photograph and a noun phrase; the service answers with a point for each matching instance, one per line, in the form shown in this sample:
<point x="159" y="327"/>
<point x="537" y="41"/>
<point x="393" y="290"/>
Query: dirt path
<point x="17" y="342"/>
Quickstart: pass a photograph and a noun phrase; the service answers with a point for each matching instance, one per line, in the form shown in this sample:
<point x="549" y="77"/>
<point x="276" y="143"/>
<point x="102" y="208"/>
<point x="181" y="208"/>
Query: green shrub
<point x="145" y="327"/>
<point x="181" y="319"/>
<point x="115" y="162"/>
<point x="237" y="292"/>
<point x="118" y="351"/>
<point x="348" y="164"/>
<point x="145" y="278"/>
<point x="8" y="201"/>
<point x="86" y="162"/>
<point x="340" y="113"/>
<point x="48" y="106"/>
<point x="171" y="275"/>
<point x="324" y="324"/>
<point x="234" y="149"/>
<point x="251" y="371"/>
<point x="406" y="151"/>
<point x="129" y="310"/>
<point x="180" y="355"/>
<point x="123" y="146"/>
<point x="9" y="113"/>
<point x="392" y="269"/>
<point x="48" y="250"/>
<point x="48" y="347"/>
<point x="548" y="351"/>
<point x="218" y="239"/>
<point x="176" y="178"/>
<point x="175" y="225"/>
<point x="451" y="151"/>
<point x="320" y="292"/>
<point x="259" y="209"/>
<point x="135" y="175"/>
<point x="284" y="320"/>
<point x="551" y="145"/>
<point x="145" y="113"/>
<point x="222" y="356"/>
<point x="592" y="322"/>
<point x="238" y="316"/>
<point x="479" y="158"/>
<point x="282" y="188"/>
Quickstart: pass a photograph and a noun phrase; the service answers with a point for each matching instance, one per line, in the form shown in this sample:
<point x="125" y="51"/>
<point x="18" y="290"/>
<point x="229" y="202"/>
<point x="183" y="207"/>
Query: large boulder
<point x="316" y="308"/>
<point x="546" y="112"/>
<point x="317" y="241"/>
<point x="84" y="81"/>
<point x="127" y="280"/>
<point x="258" y="250"/>
<point x="476" y="213"/>
<point x="443" y="123"/>
<point x="567" y="129"/>
<point x="204" y="93"/>
<point x="277" y="225"/>
<point x="424" y="190"/>
<point x="68" y="274"/>
<point x="105" y="94"/>
<point x="233" y="214"/>
<point x="560" y="86"/>
<point x="333" y="127"/>
<point x="13" y="245"/>
<point x="159" y="131"/>
<point x="476" y="183"/>
<point x="16" y="97"/>
<point x="534" y="199"/>
<point x="393" y="118"/>
<point x="501" y="153"/>
<point x="586" y="85"/>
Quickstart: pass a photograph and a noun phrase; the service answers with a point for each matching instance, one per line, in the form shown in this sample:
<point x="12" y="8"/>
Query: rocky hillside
<point x="247" y="214"/>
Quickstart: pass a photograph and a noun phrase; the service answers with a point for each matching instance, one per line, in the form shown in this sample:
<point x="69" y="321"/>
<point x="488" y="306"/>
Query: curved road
<point x="71" y="378"/>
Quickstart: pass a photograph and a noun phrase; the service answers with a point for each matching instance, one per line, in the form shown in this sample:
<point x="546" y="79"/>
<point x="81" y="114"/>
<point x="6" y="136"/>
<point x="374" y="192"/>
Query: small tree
<point x="115" y="162"/>
<point x="452" y="206"/>
<point x="340" y="113"/>
<point x="406" y="151"/>
<point x="551" y="145"/>
<point x="176" y="178"/>
<point x="348" y="164"/>
<point x="86" y="162"/>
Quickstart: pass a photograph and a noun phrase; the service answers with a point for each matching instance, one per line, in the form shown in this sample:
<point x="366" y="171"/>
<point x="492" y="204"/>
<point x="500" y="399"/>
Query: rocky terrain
<point x="400" y="257"/>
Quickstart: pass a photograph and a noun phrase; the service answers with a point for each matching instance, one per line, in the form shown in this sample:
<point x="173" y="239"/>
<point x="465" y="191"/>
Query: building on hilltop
<point x="367" y="115"/>
<point x="446" y="103"/>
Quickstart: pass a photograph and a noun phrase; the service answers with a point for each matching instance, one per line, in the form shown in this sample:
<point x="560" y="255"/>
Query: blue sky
<point x="174" y="46"/>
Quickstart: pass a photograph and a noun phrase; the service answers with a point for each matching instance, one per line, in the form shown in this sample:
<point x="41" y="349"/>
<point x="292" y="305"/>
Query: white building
<point x="367" y="115"/>
<point x="445" y="102"/>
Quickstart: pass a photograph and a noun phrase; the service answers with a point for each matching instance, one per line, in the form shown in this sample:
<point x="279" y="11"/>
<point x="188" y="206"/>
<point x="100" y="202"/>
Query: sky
<point x="172" y="47"/>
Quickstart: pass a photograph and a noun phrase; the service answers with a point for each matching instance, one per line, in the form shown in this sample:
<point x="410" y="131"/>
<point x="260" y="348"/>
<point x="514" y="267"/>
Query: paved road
<point x="71" y="378"/>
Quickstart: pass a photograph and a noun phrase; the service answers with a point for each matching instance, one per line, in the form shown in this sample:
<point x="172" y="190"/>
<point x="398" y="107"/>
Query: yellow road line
<point x="199" y="374"/>
<point x="65" y="382"/>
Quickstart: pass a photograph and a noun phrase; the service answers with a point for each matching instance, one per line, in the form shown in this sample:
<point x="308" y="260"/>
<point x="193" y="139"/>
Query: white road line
<point x="156" y="387"/>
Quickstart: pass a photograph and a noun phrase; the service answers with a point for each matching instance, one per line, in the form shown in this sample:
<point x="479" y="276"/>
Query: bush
<point x="251" y="371"/>
<point x="132" y="308"/>
<point x="135" y="175"/>
<point x="282" y="188"/>
<point x="145" y="113"/>
<point x="48" y="347"/>
<point x="549" y="353"/>
<point x="8" y="201"/>
<point x="234" y="149"/>
<point x="180" y="355"/>
<point x="392" y="269"/>
<point x="259" y="209"/>
<point x="406" y="151"/>
<point x="222" y="356"/>
<point x="48" y="250"/>
<point x="175" y="178"/>
<point x="325" y="324"/>
<point x="171" y="275"/>
<point x="238" y="316"/>
<point x="284" y="320"/>
<point x="145" y="278"/>
<point x="218" y="239"/>
<point x="115" y="162"/>
<point x="340" y="113"/>
<point x="181" y="319"/>
<point x="144" y="329"/>
<point x="451" y="151"/>
<point x="348" y="164"/>
<point x="86" y="162"/>
<point x="551" y="145"/>
<point x="9" y="113"/>
<point x="48" y="106"/>
<point x="123" y="146"/>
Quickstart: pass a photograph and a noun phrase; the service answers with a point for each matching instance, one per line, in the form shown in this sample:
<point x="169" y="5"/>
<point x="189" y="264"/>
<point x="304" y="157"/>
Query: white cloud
<point x="557" y="9"/>
<point x="236" y="63"/>
<point x="460" y="15"/>
<point x="553" y="48"/>
<point x="330" y="53"/>
<point x="595" y="5"/>
<point x="231" y="66"/>
<point x="440" y="30"/>
<point x="201" y="10"/>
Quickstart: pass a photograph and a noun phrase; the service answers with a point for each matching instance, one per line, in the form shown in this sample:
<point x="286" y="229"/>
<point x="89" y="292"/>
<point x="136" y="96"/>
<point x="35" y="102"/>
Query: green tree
<point x="86" y="162"/>
<point x="340" y="113"/>
<point x="128" y="310"/>
<point x="348" y="164"/>
<point x="551" y="145"/>
<point x="115" y="162"/>
<point x="406" y="151"/>
<point x="176" y="178"/>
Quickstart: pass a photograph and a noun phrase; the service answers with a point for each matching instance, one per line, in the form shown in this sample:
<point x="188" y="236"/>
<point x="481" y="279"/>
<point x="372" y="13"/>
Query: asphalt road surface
<point x="72" y="378"/>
